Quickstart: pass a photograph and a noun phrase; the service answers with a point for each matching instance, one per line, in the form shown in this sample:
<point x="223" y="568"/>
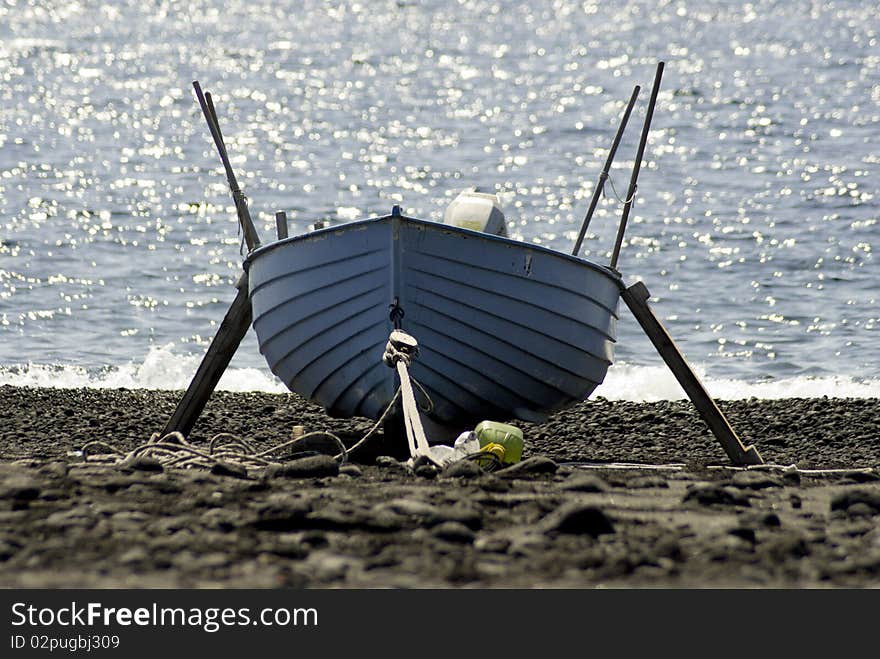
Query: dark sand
<point x="63" y="523"/>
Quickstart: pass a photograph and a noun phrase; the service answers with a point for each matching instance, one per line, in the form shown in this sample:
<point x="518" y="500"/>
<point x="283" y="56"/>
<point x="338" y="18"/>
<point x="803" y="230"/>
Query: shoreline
<point x="49" y="423"/>
<point x="376" y="524"/>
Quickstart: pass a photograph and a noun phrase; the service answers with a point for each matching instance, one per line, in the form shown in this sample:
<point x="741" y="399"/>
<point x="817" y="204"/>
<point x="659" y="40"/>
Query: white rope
<point x="624" y="466"/>
<point x="677" y="466"/>
<point x="795" y="468"/>
<point x="174" y="451"/>
<point x="399" y="353"/>
<point x="415" y="432"/>
<point x="614" y="190"/>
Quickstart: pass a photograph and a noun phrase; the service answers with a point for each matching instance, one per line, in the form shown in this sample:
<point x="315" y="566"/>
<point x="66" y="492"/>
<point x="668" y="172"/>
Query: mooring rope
<point x="174" y="451"/>
<point x="399" y="354"/>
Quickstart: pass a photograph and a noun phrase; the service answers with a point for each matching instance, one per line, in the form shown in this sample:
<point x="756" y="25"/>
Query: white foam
<point x="652" y="383"/>
<point x="163" y="368"/>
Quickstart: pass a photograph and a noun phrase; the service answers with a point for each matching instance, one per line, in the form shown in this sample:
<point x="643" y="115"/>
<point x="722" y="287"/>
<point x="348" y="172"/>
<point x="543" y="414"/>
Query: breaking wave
<point x="163" y="368"/>
<point x="652" y="383"/>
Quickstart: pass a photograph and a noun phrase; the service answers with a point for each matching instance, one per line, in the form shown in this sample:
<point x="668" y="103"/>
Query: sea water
<point x="753" y="227"/>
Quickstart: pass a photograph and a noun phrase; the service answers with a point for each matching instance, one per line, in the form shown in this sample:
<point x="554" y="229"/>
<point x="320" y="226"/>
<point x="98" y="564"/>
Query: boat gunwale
<point x="347" y="226"/>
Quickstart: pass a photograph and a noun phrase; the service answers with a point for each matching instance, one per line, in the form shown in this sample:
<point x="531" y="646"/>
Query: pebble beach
<point x="612" y="494"/>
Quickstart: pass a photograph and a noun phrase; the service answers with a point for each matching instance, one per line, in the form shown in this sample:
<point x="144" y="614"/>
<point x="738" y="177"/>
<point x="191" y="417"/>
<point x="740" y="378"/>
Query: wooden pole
<point x="238" y="318"/>
<point x="600" y="184"/>
<point x="636" y="298"/>
<point x="281" y="225"/>
<point x="232" y="330"/>
<point x="251" y="237"/>
<point x="633" y="182"/>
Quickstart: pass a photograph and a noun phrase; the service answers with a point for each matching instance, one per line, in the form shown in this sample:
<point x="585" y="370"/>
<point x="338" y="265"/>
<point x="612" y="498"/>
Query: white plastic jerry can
<point x="478" y="211"/>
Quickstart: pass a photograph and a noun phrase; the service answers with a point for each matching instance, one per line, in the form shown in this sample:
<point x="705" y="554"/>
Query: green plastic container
<point x="510" y="437"/>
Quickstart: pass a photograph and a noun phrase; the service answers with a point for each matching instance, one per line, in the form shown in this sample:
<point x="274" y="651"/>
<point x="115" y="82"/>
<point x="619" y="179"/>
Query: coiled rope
<point x="173" y="451"/>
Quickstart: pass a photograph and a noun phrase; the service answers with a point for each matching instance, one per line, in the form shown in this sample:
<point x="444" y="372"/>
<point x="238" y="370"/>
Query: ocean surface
<point x="754" y="224"/>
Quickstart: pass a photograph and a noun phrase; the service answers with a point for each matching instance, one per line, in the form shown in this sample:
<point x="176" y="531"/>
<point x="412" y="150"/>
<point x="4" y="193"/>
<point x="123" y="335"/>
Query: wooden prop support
<point x="636" y="298"/>
<point x="232" y="330"/>
<point x="238" y="318"/>
<point x="600" y="184"/>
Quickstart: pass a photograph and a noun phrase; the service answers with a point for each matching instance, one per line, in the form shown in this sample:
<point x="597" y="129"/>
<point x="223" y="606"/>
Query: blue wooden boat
<point x="506" y="329"/>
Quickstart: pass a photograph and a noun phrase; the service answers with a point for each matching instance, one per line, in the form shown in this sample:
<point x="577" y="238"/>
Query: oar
<point x="600" y="185"/>
<point x="244" y="217"/>
<point x="636" y="166"/>
<point x="238" y="318"/>
<point x="210" y="101"/>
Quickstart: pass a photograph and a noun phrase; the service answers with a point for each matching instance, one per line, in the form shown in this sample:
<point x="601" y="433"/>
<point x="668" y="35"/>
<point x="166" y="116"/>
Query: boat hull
<point x="505" y="329"/>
